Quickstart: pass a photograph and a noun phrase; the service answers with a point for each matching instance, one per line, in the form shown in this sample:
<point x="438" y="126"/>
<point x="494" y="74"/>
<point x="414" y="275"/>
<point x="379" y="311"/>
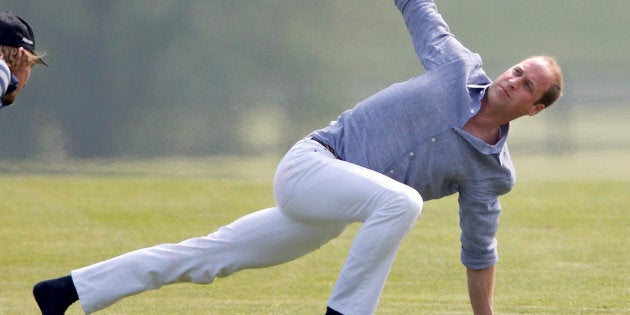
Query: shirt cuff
<point x="479" y="261"/>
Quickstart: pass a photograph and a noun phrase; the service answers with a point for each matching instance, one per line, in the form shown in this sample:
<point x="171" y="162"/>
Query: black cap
<point x="14" y="31"/>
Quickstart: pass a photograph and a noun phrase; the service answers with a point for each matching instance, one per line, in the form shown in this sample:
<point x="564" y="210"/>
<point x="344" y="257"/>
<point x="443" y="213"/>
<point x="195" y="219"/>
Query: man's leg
<point x="317" y="196"/>
<point x="326" y="189"/>
<point x="264" y="238"/>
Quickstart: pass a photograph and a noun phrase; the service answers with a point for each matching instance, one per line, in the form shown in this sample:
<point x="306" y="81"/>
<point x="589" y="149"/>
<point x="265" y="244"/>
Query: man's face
<point x="515" y="92"/>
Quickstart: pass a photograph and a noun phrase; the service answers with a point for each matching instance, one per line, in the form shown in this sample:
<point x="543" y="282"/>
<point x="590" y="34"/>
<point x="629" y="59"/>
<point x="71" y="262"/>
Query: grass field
<point x="564" y="238"/>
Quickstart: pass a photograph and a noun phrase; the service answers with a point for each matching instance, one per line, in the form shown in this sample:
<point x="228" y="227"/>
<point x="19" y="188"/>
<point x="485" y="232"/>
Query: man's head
<point x="17" y="48"/>
<point x="526" y="88"/>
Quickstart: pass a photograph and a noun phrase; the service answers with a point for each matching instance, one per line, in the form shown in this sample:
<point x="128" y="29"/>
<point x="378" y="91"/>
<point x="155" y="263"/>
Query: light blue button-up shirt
<point x="412" y="132"/>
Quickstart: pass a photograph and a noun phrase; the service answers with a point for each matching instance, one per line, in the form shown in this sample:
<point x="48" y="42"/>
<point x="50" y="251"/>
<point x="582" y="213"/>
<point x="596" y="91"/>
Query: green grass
<point x="563" y="238"/>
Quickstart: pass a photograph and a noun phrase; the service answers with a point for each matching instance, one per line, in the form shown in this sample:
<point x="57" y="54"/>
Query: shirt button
<point x="472" y="110"/>
<point x="411" y="154"/>
<point x="433" y="139"/>
<point x="391" y="171"/>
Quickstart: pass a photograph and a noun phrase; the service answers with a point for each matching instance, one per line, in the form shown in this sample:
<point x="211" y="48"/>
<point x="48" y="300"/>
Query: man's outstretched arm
<point x="480" y="289"/>
<point x="432" y="40"/>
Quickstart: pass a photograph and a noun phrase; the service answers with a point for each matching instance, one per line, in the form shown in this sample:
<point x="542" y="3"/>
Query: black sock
<point x="55" y="295"/>
<point x="330" y="311"/>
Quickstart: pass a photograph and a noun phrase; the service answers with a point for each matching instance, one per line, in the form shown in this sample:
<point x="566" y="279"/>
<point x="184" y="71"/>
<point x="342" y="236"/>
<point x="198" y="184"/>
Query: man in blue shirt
<point x="17" y="56"/>
<point x="437" y="134"/>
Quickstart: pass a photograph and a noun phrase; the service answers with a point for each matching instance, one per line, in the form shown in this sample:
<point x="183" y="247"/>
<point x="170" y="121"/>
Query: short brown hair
<point x="555" y="90"/>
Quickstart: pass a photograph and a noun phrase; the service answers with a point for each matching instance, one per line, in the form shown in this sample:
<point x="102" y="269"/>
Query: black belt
<point x="329" y="148"/>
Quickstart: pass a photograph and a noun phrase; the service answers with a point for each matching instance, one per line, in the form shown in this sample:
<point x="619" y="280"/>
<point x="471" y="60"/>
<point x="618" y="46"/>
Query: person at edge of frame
<point x="17" y="56"/>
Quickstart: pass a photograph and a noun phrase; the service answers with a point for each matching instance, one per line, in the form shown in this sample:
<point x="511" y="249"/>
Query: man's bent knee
<point x="413" y="202"/>
<point x="406" y="204"/>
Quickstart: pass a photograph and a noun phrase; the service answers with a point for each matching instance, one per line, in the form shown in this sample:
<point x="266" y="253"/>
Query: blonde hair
<point x="10" y="56"/>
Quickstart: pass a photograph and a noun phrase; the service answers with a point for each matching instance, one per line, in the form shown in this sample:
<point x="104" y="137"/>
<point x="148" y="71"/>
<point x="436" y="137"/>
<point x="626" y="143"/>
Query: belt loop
<point x="328" y="148"/>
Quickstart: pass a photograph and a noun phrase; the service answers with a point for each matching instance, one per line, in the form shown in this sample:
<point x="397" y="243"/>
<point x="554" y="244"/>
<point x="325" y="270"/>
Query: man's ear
<point x="20" y="56"/>
<point x="536" y="109"/>
<point x="20" y="52"/>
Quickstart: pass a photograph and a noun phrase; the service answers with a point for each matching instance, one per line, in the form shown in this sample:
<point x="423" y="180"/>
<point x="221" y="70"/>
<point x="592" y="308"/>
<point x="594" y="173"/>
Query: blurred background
<point x="145" y="79"/>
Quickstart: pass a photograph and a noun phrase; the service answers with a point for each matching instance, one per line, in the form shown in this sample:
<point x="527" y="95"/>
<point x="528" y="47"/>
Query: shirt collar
<point x="483" y="146"/>
<point x="481" y="88"/>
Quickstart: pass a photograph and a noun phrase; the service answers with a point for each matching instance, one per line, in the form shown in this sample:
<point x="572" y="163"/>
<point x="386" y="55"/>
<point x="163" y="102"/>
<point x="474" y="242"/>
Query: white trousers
<point x="317" y="196"/>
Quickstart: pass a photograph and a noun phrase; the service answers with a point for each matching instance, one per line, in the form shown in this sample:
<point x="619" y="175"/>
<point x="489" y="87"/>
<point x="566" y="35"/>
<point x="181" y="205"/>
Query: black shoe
<point x="330" y="311"/>
<point x="55" y="296"/>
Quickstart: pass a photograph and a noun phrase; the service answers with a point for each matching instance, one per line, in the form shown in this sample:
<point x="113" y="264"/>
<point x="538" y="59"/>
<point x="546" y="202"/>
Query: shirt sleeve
<point x="5" y="77"/>
<point x="479" y="214"/>
<point x="432" y="40"/>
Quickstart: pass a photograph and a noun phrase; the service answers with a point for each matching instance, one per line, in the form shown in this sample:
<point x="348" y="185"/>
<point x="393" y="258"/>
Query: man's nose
<point x="514" y="82"/>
